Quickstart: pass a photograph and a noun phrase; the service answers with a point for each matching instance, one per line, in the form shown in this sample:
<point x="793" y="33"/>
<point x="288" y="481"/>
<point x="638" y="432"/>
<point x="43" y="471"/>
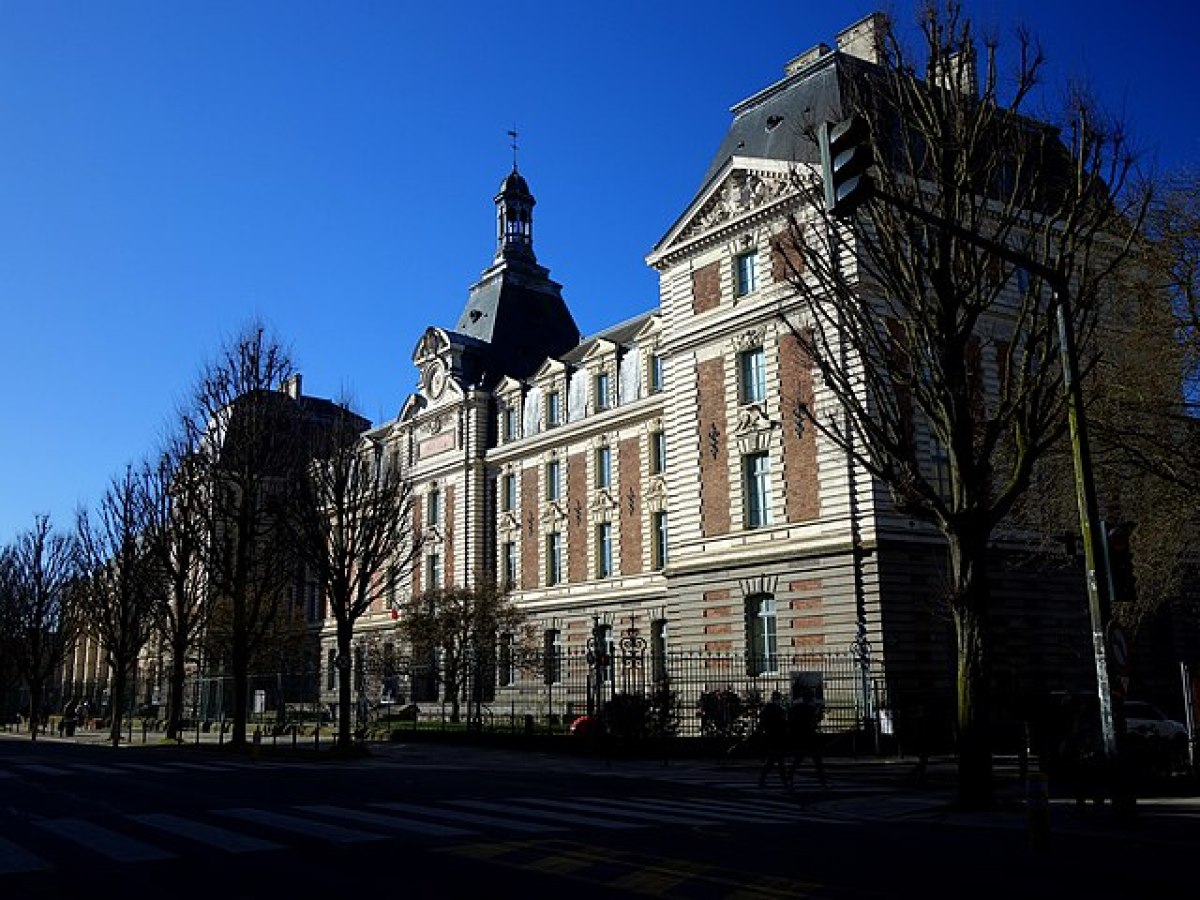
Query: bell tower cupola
<point x="514" y="218"/>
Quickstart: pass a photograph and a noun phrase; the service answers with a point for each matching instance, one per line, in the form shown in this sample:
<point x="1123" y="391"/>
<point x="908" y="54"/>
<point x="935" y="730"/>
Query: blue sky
<point x="172" y="170"/>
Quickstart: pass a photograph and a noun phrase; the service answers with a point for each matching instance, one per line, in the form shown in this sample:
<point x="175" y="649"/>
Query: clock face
<point x="435" y="380"/>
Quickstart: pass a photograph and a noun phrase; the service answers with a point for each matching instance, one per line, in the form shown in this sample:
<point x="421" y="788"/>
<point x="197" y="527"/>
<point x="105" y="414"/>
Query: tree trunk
<point x="35" y="708"/>
<point x="118" y="705"/>
<point x="175" y="700"/>
<point x="969" y="605"/>
<point x="240" y="669"/>
<point x="346" y="676"/>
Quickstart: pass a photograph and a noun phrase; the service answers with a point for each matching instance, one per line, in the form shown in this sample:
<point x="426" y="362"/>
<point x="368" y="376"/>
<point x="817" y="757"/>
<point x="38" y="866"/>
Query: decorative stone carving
<point x="742" y="193"/>
<point x="749" y="339"/>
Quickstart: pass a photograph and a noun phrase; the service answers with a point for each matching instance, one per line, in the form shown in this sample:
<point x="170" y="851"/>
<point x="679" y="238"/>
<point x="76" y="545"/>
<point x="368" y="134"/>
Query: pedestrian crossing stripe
<point x="223" y="838"/>
<point x="474" y="818"/>
<point x="348" y="824"/>
<point x="392" y="823"/>
<point x="15" y="859"/>
<point x="613" y="808"/>
<point x="549" y="815"/>
<point x="308" y="827"/>
<point x="104" y="841"/>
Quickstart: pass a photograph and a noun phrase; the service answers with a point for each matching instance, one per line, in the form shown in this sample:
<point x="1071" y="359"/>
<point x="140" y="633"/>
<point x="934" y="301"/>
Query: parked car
<point x="1156" y="742"/>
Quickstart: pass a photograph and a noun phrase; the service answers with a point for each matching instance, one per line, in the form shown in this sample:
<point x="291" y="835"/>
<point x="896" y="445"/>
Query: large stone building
<point x="661" y="475"/>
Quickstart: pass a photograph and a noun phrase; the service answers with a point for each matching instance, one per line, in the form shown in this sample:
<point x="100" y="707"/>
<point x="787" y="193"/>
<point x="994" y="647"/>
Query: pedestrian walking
<point x="804" y="720"/>
<point x="771" y="730"/>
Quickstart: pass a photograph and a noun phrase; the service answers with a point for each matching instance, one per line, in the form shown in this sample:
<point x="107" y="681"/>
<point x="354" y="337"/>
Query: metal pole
<point x="1089" y="516"/>
<point x="1189" y="713"/>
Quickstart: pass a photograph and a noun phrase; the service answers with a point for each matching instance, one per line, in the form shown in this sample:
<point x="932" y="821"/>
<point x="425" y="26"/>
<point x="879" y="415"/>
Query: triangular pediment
<point x="412" y="407"/>
<point x="550" y="368"/>
<point x="649" y="332"/>
<point x="507" y="385"/>
<point x="598" y="348"/>
<point x="741" y="188"/>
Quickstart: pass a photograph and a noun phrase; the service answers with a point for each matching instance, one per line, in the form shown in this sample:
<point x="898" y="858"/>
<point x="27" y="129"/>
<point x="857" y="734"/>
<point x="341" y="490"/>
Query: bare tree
<point x="121" y="588"/>
<point x="178" y="494"/>
<point x="40" y="571"/>
<point x="352" y="520"/>
<point x="915" y="329"/>
<point x="1148" y="414"/>
<point x="249" y="433"/>
<point x="463" y="623"/>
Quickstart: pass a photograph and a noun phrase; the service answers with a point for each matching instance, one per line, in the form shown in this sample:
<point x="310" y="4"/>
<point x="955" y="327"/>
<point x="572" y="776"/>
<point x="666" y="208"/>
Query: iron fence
<point x="682" y="693"/>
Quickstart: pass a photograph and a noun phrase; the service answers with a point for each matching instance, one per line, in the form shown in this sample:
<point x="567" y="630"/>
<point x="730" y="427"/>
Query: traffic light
<point x="845" y="157"/>
<point x="1120" y="561"/>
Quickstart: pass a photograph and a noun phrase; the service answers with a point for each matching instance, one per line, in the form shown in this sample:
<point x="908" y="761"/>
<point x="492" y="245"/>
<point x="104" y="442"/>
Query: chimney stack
<point x="291" y="386"/>
<point x="864" y="38"/>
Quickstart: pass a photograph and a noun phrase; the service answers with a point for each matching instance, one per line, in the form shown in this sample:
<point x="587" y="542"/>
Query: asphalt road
<point x="430" y="821"/>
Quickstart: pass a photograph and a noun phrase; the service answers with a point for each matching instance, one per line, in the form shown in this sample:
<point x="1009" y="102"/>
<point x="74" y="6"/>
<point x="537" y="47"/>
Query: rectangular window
<point x="603" y="467"/>
<point x="331" y="670"/>
<point x="746" y="266"/>
<point x="510" y="422"/>
<point x="658" y="540"/>
<point x="756" y="469"/>
<point x="752" y="375"/>
<point x="762" y="656"/>
<point x="553" y="558"/>
<point x="658" y="453"/>
<point x="506" y="669"/>
<point x="552" y="655"/>
<point x="508" y="553"/>
<point x="658" y="651"/>
<point x="655" y="366"/>
<point x="508" y="492"/>
<point x="433" y="507"/>
<point x="602" y="395"/>
<point x="553" y="409"/>
<point x="433" y="571"/>
<point x="603" y="549"/>
<point x="553" y="477"/>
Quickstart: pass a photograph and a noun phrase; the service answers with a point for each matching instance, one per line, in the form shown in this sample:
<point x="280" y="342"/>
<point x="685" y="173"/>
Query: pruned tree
<point x="39" y="575"/>
<point x="178" y="496"/>
<point x="250" y="436"/>
<point x="352" y="523"/>
<point x="1148" y="417"/>
<point x="120" y="587"/>
<point x="922" y="334"/>
<point x="462" y="624"/>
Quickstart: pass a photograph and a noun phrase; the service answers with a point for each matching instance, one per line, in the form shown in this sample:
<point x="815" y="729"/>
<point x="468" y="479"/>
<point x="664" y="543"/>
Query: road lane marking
<point x="613" y="809"/>
<point x="308" y="827"/>
<point x="570" y="818"/>
<point x="222" y="838"/>
<point x="15" y="859"/>
<point x="101" y="840"/>
<point x="461" y="816"/>
<point x="392" y="822"/>
<point x="37" y="769"/>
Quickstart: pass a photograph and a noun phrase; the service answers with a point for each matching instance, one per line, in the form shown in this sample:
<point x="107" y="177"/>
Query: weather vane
<point x="513" y="134"/>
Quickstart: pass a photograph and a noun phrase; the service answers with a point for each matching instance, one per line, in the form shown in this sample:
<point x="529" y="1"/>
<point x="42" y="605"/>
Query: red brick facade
<point x="577" y="517"/>
<point x="530" y="533"/>
<point x="629" y="461"/>
<point x="706" y="288"/>
<point x="714" y="448"/>
<point x="802" y="500"/>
